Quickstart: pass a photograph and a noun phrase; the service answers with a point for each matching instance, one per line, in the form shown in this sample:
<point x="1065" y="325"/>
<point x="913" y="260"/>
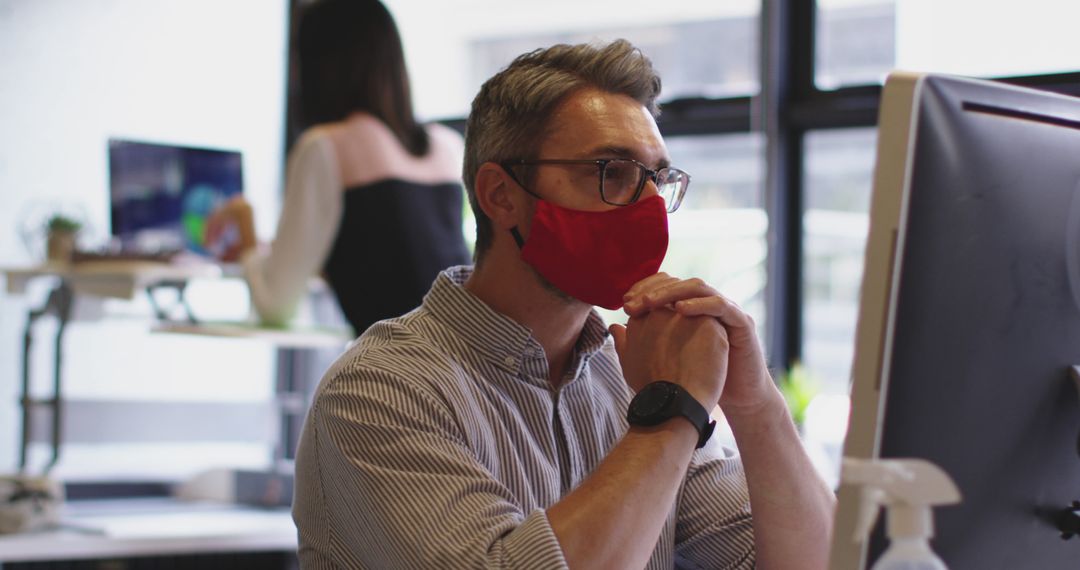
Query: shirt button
<point x="510" y="361"/>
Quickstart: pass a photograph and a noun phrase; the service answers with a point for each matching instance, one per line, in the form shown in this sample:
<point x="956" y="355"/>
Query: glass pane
<point x="858" y="41"/>
<point x="701" y="47"/>
<point x="839" y="167"/>
<point x="839" y="170"/>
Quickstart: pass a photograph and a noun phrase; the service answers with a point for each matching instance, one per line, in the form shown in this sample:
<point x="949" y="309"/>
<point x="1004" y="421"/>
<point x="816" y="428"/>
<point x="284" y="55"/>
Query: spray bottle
<point x="908" y="488"/>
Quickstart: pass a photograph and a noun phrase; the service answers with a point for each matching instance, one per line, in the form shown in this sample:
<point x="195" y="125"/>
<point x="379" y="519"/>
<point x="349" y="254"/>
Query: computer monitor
<point x="162" y="194"/>
<point x="969" y="316"/>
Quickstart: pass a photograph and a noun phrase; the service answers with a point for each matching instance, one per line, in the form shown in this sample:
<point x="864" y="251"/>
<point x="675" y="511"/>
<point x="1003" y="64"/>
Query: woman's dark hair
<point x="351" y="60"/>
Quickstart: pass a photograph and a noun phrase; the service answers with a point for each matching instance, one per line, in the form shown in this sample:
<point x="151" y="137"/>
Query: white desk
<point x="291" y="337"/>
<point x="291" y="400"/>
<point x="112" y="279"/>
<point x="137" y="528"/>
<point x="124" y="280"/>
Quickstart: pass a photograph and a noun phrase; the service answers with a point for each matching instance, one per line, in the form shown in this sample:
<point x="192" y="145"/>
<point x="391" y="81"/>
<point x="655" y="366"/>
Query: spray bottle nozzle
<point x="907" y="487"/>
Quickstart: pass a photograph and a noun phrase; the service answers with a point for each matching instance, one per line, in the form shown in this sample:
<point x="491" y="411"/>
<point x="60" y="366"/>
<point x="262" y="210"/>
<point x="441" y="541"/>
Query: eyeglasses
<point x="621" y="179"/>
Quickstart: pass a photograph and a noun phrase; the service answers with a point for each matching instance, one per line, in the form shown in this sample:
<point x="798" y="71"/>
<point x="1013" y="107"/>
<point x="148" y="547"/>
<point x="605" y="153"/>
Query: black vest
<point x="394" y="239"/>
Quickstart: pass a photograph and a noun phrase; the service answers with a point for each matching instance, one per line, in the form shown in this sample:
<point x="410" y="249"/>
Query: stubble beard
<point x="550" y="287"/>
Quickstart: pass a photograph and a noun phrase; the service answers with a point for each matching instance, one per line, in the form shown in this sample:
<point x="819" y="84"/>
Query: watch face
<point x="653" y="399"/>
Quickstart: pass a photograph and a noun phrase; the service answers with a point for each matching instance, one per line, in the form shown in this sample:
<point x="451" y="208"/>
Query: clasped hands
<point x="684" y="331"/>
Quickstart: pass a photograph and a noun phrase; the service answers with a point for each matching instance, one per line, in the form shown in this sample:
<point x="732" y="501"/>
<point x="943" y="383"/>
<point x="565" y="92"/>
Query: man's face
<point x="593" y="124"/>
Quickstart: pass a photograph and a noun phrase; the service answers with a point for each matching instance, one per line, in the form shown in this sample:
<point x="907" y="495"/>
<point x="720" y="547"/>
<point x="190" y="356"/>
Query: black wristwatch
<point x="660" y="401"/>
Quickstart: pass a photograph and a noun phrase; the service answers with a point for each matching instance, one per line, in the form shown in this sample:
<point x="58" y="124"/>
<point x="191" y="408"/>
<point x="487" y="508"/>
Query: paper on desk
<point x="187" y="525"/>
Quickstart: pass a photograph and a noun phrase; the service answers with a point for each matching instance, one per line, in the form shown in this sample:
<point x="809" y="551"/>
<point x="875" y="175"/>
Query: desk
<point x="291" y="400"/>
<point x="112" y="279"/>
<point x="159" y="528"/>
<point x="292" y="337"/>
<point x="124" y="280"/>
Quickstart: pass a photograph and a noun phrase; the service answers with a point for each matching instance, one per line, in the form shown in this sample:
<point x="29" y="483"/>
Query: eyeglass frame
<point x="601" y="164"/>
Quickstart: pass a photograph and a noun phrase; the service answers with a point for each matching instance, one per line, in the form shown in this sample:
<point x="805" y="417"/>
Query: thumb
<point x="618" y="334"/>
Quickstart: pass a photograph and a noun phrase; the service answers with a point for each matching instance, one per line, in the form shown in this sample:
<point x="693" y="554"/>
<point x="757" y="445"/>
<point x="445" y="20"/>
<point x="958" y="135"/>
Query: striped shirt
<point x="436" y="441"/>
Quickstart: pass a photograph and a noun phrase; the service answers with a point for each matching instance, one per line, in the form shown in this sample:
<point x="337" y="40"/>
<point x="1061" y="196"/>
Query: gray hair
<point x="510" y="115"/>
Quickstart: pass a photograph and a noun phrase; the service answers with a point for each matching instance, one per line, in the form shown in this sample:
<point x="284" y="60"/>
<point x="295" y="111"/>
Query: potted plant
<point x="62" y="231"/>
<point x="799" y="389"/>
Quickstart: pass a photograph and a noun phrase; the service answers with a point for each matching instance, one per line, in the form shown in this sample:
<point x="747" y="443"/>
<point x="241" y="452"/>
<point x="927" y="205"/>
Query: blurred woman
<point x="373" y="199"/>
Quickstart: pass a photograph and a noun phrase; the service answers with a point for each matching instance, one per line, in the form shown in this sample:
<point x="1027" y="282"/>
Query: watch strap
<point x="681" y="404"/>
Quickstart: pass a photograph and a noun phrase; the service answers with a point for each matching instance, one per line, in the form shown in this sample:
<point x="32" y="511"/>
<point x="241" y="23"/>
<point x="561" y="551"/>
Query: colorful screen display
<point x="161" y="195"/>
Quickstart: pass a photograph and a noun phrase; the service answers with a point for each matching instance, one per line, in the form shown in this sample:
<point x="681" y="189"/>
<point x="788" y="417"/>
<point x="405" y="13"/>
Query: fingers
<point x="666" y="292"/>
<point x="618" y="335"/>
<point x="647" y="284"/>
<point x="688" y="297"/>
<point x="724" y="309"/>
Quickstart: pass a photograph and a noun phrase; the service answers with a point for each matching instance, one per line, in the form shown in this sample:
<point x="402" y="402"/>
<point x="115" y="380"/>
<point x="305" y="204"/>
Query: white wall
<point x="74" y="73"/>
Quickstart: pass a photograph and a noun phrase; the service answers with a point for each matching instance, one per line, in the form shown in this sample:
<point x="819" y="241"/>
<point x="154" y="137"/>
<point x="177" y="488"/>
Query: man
<point x="494" y="426"/>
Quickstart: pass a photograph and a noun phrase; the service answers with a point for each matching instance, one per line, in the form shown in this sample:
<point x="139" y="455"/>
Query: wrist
<point x="674" y="431"/>
<point x="661" y="401"/>
<point x="765" y="413"/>
<point x="702" y="393"/>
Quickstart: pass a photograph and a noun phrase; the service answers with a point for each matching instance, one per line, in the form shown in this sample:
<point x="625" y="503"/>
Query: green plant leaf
<point x="62" y="223"/>
<point x="799" y="389"/>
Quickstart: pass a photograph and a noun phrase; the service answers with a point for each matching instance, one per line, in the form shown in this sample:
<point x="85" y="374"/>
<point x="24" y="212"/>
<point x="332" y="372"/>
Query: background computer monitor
<point x="970" y="316"/>
<point x="161" y="194"/>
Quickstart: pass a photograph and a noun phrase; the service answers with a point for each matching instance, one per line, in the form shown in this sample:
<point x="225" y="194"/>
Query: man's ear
<point x="497" y="196"/>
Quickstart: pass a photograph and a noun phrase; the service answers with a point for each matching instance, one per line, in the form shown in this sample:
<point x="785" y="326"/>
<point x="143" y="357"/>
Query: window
<point x="838" y="168"/>
<point x="701" y="47"/>
<point x="855" y="42"/>
<point x="860" y="41"/>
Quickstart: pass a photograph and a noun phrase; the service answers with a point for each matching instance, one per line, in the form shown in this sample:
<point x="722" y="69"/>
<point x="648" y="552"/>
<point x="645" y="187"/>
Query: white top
<point x="315" y="182"/>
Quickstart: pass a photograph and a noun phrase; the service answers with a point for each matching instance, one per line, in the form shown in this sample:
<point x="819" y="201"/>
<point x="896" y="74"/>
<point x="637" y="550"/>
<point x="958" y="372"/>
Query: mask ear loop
<point x="517" y="237"/>
<point x="513" y="176"/>
<point x="509" y="169"/>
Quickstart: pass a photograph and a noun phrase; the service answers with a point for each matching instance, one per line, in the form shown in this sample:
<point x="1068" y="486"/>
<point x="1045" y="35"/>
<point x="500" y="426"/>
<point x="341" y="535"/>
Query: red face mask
<point x="596" y="256"/>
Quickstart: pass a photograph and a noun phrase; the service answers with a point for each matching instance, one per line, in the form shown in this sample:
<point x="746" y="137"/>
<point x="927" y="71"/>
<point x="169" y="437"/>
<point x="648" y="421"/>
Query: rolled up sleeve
<point x="715" y="527"/>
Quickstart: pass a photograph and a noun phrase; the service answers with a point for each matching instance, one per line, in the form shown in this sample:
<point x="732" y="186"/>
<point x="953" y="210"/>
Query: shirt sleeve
<point x="386" y="480"/>
<point x="277" y="275"/>
<point x="714" y="528"/>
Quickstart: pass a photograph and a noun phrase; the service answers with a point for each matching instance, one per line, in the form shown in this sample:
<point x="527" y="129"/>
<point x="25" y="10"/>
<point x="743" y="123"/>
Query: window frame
<point x="788" y="106"/>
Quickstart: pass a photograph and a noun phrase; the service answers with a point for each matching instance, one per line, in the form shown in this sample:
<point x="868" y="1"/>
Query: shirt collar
<point x="505" y="341"/>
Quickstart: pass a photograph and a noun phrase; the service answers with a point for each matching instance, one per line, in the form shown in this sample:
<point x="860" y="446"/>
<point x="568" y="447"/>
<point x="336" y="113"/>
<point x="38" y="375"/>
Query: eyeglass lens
<point x="623" y="179"/>
<point x="620" y="181"/>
